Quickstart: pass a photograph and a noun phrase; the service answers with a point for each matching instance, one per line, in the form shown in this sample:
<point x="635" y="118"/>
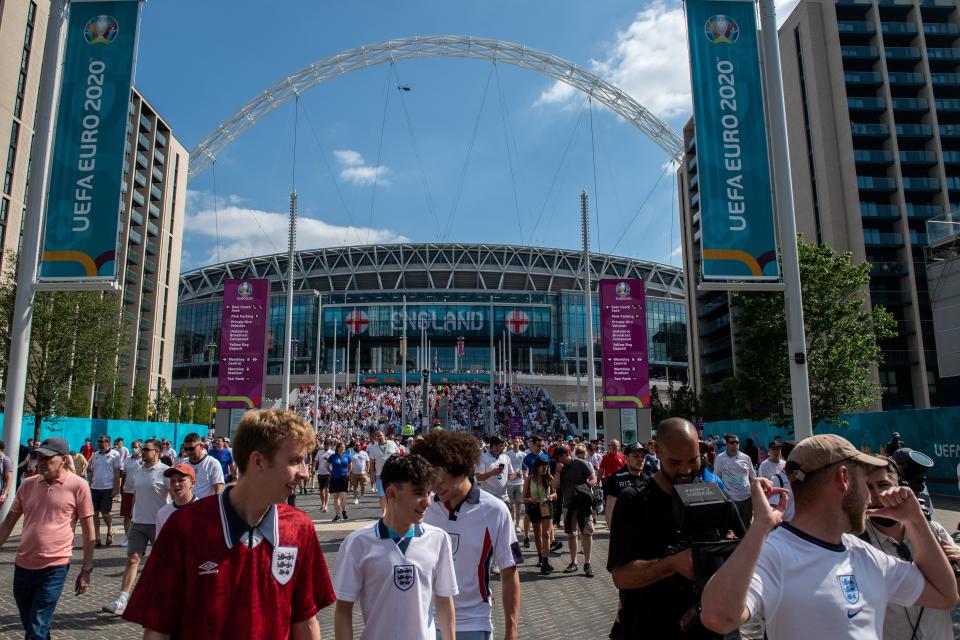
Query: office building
<point x="873" y="108"/>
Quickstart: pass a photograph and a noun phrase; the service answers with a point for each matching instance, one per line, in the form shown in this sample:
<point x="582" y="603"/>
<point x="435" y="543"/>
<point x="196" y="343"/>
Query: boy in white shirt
<point x="398" y="567"/>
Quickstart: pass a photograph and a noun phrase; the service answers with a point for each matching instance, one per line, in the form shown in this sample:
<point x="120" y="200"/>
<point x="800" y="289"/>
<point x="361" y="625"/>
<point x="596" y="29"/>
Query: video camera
<point x="913" y="467"/>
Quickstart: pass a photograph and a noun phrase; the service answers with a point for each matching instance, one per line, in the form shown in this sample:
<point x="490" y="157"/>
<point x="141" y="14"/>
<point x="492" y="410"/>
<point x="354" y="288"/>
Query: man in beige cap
<point x="810" y="578"/>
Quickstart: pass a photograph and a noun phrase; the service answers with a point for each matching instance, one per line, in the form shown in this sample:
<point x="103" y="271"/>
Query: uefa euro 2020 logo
<point x="721" y="30"/>
<point x="101" y="30"/>
<point x="245" y="290"/>
<point x="623" y="290"/>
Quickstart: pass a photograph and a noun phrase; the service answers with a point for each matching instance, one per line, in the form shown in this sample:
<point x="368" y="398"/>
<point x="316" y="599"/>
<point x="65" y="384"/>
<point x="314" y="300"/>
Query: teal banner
<point x="84" y="203"/>
<point x="736" y="205"/>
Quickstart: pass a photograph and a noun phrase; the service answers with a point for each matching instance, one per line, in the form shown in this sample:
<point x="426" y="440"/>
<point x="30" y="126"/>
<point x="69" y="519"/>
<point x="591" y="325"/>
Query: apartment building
<point x="872" y="91"/>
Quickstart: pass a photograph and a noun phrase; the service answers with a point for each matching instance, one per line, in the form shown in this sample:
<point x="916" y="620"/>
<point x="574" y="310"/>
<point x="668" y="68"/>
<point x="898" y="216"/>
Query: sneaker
<point x="344" y="515"/>
<point x="336" y="518"/>
<point x="124" y="543"/>
<point x="526" y="543"/>
<point x="539" y="562"/>
<point x="571" y="568"/>
<point x="117" y="607"/>
<point x="588" y="570"/>
<point x="98" y="545"/>
<point x="556" y="546"/>
<point x="356" y="501"/>
<point x="545" y="567"/>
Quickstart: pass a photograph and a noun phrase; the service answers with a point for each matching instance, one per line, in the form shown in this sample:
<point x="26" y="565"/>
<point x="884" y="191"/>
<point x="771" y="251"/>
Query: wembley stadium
<point x="447" y="295"/>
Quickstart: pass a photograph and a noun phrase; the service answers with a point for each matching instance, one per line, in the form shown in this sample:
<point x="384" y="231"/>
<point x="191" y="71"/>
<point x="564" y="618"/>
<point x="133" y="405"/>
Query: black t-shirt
<point x="642" y="529"/>
<point x="619" y="481"/>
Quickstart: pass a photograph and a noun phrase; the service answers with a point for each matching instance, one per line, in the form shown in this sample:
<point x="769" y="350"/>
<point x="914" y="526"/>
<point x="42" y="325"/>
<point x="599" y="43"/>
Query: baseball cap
<point x="633" y="447"/>
<point x="817" y="452"/>
<point x="183" y="468"/>
<point x="53" y="447"/>
<point x="569" y="438"/>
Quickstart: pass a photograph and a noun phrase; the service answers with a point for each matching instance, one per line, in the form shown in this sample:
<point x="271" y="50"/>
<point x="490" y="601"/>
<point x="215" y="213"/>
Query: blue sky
<point x="200" y="61"/>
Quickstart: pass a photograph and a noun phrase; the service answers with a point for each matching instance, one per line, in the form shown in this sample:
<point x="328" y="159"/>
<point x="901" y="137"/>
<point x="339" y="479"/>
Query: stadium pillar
<point x="32" y="224"/>
<point x="318" y="345"/>
<point x="576" y="342"/>
<point x="588" y="305"/>
<point x="787" y="224"/>
<point x="333" y="381"/>
<point x="288" y="334"/>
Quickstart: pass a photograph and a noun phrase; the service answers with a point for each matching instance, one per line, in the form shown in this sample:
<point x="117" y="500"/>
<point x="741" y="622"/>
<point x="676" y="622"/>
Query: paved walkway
<point x="551" y="606"/>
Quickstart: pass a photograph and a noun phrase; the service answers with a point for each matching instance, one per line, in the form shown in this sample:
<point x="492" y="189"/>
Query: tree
<point x="186" y="407"/>
<point x="683" y="402"/>
<point x="139" y="401"/>
<point x="658" y="411"/>
<point x="201" y="406"/>
<point x="842" y="341"/>
<point x="72" y="337"/>
<point x="162" y="406"/>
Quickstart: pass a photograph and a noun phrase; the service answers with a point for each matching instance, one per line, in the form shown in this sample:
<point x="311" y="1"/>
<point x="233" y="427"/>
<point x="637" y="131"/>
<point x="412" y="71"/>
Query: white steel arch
<point x="432" y="46"/>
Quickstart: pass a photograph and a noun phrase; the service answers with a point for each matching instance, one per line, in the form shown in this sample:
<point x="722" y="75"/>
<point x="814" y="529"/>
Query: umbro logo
<point x="207" y="568"/>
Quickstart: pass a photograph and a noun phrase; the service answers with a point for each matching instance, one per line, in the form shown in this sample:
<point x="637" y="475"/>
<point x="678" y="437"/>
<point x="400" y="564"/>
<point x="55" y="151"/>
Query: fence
<point x="76" y="430"/>
<point x="935" y="432"/>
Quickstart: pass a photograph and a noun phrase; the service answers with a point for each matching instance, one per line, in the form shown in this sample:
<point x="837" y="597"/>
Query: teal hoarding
<point x="83" y="208"/>
<point x="736" y="205"/>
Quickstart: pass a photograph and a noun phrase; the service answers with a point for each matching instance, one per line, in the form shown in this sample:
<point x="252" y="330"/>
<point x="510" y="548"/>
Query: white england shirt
<point x="805" y="588"/>
<point x="379" y="455"/>
<point x="104" y="465"/>
<point x="495" y="485"/>
<point x="151" y="489"/>
<point x="209" y="472"/>
<point x="481" y="531"/>
<point x="516" y="459"/>
<point x="735" y="471"/>
<point x="395" y="587"/>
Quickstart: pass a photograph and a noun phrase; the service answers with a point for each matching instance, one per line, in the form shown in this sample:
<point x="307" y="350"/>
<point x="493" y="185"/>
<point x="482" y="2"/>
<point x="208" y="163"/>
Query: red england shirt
<point x="610" y="464"/>
<point x="212" y="576"/>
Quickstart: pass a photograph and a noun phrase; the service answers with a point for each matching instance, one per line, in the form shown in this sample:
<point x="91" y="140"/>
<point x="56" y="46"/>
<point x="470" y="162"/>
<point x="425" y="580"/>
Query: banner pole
<point x="403" y="368"/>
<point x="32" y="224"/>
<point x="588" y="306"/>
<point x="786" y="222"/>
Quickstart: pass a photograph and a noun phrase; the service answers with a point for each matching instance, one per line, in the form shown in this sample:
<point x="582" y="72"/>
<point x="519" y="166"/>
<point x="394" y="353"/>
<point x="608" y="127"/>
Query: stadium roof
<point x="432" y="267"/>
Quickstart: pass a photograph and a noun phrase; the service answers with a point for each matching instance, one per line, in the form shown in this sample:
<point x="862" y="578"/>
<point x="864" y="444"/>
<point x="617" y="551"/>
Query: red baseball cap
<point x="183" y="468"/>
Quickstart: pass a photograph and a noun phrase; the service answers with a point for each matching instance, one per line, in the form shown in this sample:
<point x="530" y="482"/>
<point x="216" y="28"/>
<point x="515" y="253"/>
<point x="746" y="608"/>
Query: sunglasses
<point x="903" y="551"/>
<point x="149" y="449"/>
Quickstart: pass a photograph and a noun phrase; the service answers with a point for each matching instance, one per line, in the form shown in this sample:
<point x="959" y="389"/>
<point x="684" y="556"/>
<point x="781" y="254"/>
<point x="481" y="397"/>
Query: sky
<point x="472" y="152"/>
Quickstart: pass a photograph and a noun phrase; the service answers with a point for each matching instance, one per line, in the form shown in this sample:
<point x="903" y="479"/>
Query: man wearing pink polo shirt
<point x="50" y="503"/>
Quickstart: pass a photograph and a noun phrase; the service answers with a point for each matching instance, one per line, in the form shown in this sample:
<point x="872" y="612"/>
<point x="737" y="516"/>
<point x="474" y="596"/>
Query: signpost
<point x="243" y="332"/>
<point x="626" y="381"/>
<point x="736" y="206"/>
<point x="83" y="208"/>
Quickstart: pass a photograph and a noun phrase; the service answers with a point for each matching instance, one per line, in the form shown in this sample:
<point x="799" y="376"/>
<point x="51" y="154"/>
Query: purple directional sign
<point x="623" y="318"/>
<point x="243" y="333"/>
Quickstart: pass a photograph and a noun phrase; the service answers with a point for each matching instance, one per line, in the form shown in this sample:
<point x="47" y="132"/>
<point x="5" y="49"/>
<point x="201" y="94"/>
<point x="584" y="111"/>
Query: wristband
<point x="86" y="569"/>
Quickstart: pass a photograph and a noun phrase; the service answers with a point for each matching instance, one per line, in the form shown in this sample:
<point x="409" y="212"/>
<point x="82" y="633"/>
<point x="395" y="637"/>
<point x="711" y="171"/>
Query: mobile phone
<point x="501" y="465"/>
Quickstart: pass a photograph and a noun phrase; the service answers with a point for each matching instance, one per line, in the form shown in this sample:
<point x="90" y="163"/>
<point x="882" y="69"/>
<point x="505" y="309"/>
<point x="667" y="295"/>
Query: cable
<point x="466" y="161"/>
<point x="333" y="177"/>
<point x="637" y="212"/>
<point x="556" y="174"/>
<point x="216" y="211"/>
<point x="416" y="151"/>
<point x="596" y="193"/>
<point x="296" y="122"/>
<point x="673" y="218"/>
<point x="377" y="166"/>
<point x="506" y="141"/>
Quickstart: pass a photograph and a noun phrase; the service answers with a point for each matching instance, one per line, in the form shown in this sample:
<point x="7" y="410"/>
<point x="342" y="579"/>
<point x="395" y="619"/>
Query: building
<point x="943" y="275"/>
<point x="873" y="109"/>
<point x="535" y="295"/>
<point x="155" y="176"/>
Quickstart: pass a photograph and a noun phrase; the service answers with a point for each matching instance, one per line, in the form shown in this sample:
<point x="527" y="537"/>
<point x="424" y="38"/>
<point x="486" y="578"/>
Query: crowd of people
<point x="811" y="538"/>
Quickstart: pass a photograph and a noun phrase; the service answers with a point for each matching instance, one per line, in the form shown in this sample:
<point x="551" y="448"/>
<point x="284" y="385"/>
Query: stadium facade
<point x="535" y="296"/>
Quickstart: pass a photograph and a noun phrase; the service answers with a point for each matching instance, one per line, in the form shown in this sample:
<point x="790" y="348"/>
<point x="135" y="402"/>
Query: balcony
<point x="161" y="140"/>
<point x="154" y="211"/>
<point x="948" y="54"/>
<point x="156" y="194"/>
<point x="129" y="296"/>
<point x="905" y="328"/>
<point x="863" y="156"/>
<point x="152" y="247"/>
<point x="925" y="185"/>
<point x="133" y="257"/>
<point x="716" y="367"/>
<point x="145" y="123"/>
<point x="941" y="29"/>
<point x="150" y="266"/>
<point x="866" y="105"/>
<point x="854" y="3"/>
<point x="903" y="53"/>
<point x="695" y="200"/>
<point x="874" y="238"/>
<point x="856" y="26"/>
<point x="719" y="323"/>
<point x="142" y="160"/>
<point x="712" y="306"/>
<point x="864" y="78"/>
<point x="945" y="79"/>
<point x="152" y="230"/>
<point x="136" y="217"/>
<point x="149" y="286"/>
<point x="924" y="211"/>
<point x="159" y="157"/>
<point x="921" y="131"/>
<point x="899" y="357"/>
<point x="139" y="178"/>
<point x="146" y="304"/>
<point x="898" y="28"/>
<point x="145" y="324"/>
<point x="889" y="298"/>
<point x="911" y="104"/>
<point x="872" y="183"/>
<point x="918" y="238"/>
<point x="135" y="238"/>
<point x="138" y="198"/>
<point x="869" y="130"/>
<point x="918" y="158"/>
<point x="906" y="79"/>
<point x="143" y="142"/>
<point x="947" y="105"/>
<point x="157" y="174"/>
<point x="692" y="164"/>
<point x="953" y="183"/>
<point x="887" y="270"/>
<point x="860" y="53"/>
<point x="694" y="181"/>
<point x="950" y="131"/>
<point x="879" y="211"/>
<point x="716" y="346"/>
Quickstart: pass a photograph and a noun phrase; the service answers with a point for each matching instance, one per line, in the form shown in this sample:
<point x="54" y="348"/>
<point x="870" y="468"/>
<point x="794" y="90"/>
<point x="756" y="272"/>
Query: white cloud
<point x="246" y="232"/>
<point x="357" y="171"/>
<point x="677" y="250"/>
<point x="348" y="157"/>
<point x="648" y="60"/>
